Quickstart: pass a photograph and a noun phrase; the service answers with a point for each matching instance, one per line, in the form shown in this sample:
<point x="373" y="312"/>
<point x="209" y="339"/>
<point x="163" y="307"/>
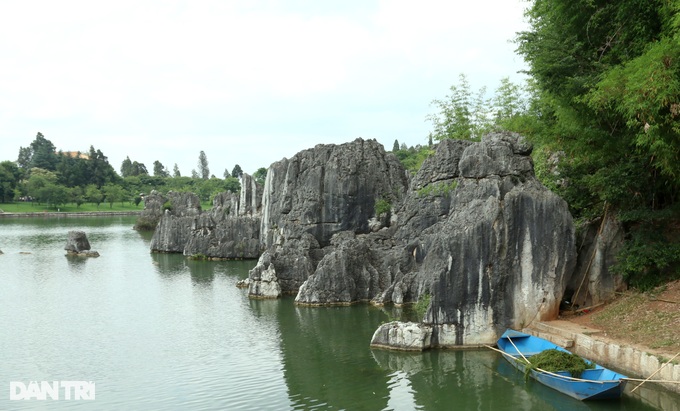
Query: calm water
<point x="157" y="331"/>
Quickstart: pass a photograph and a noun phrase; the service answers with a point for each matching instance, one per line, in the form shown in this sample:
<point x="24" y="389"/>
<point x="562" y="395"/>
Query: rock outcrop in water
<point x="319" y="193"/>
<point x="77" y="244"/>
<point x="231" y="229"/>
<point x="154" y="207"/>
<point x="174" y="228"/>
<point x="475" y="233"/>
<point x="501" y="251"/>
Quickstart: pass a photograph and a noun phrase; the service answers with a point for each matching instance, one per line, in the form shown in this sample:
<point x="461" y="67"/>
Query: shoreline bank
<point x="69" y="214"/>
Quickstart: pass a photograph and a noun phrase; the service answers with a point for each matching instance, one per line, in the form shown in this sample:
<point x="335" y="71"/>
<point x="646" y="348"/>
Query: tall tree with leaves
<point x="607" y="75"/>
<point x="461" y="115"/>
<point x="126" y="167"/>
<point x="203" y="169"/>
<point x="237" y="172"/>
<point x="260" y="175"/>
<point x="175" y="171"/>
<point x="159" y="169"/>
<point x="44" y="153"/>
<point x="100" y="171"/>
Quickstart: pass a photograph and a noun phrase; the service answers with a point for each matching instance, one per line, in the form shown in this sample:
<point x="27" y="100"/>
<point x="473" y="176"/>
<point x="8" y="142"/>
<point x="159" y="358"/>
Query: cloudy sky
<point x="248" y="82"/>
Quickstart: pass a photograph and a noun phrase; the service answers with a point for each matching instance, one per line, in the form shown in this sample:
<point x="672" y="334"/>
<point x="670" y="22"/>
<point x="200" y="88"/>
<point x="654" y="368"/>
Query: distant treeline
<point x="42" y="174"/>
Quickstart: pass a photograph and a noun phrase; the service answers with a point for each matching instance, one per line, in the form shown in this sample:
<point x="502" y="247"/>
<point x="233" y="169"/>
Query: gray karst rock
<point x="231" y="229"/>
<point x="316" y="194"/>
<point x="226" y="231"/>
<point x="490" y="245"/>
<point x="174" y="228"/>
<point x="78" y="244"/>
<point x="154" y="208"/>
<point x="592" y="282"/>
<point x="403" y="336"/>
<point x="474" y="230"/>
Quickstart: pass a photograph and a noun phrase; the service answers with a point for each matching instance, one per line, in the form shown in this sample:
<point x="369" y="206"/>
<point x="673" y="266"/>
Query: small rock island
<point x="78" y="245"/>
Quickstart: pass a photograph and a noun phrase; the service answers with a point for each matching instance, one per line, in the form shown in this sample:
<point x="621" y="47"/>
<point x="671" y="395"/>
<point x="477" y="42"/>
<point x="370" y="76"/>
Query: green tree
<point x="76" y="195"/>
<point x="53" y="194"/>
<point x="24" y="159"/>
<point x="72" y="169"/>
<point x="203" y="169"/>
<point x="10" y="175"/>
<point x="159" y="169"/>
<point x="93" y="194"/>
<point x="232" y="184"/>
<point x="395" y="146"/>
<point x="99" y="170"/>
<point x="454" y="119"/>
<point x="207" y="189"/>
<point x="260" y="175"/>
<point x="175" y="171"/>
<point x="607" y="95"/>
<point x="113" y="193"/>
<point x="237" y="172"/>
<point x="126" y="167"/>
<point x="44" y="153"/>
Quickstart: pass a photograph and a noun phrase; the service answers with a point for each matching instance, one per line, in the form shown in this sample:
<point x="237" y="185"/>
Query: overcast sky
<point x="248" y="82"/>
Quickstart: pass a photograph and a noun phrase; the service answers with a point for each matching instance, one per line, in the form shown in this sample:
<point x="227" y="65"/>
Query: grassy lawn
<point x="27" y="207"/>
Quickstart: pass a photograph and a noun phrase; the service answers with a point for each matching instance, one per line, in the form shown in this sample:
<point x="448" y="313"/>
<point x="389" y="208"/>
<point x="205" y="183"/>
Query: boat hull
<point x="596" y="384"/>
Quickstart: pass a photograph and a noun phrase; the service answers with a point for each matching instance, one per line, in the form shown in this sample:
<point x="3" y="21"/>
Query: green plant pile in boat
<point x="555" y="360"/>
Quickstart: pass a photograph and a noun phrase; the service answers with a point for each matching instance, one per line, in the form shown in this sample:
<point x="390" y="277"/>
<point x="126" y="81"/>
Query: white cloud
<point x="159" y="80"/>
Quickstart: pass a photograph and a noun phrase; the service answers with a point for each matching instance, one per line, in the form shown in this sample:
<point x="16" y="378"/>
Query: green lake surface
<point x="161" y="332"/>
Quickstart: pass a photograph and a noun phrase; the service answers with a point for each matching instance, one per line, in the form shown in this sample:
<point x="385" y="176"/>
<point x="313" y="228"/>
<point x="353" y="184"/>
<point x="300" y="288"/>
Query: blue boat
<point x="594" y="384"/>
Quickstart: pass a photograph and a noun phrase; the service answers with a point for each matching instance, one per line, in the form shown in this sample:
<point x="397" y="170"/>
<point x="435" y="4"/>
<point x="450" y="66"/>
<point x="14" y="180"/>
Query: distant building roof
<point x="76" y="154"/>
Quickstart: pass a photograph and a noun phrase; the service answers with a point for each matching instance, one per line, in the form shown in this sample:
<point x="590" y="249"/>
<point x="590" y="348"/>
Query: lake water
<point x="160" y="332"/>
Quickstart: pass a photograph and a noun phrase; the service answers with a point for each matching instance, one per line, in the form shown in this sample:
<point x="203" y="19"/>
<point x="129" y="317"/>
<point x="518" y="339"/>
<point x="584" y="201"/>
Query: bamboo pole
<point x="655" y="372"/>
<point x="518" y="351"/>
<point x="657" y="381"/>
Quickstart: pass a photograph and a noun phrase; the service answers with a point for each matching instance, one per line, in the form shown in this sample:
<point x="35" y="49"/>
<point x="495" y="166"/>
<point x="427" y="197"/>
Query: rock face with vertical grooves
<point x="231" y="229"/>
<point x="593" y="283"/>
<point x="318" y="193"/>
<point x="174" y="228"/>
<point x="474" y="230"/>
<point x="153" y="211"/>
<point x="492" y="247"/>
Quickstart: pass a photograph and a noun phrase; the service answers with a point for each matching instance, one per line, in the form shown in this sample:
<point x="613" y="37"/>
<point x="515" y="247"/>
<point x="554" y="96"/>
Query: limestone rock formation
<point x="316" y="194"/>
<point x="174" y="228"/>
<point x="403" y="336"/>
<point x="592" y="282"/>
<point x="78" y="244"/>
<point x="154" y="207"/>
<point x="474" y="230"/>
<point x="490" y="245"/>
<point x="231" y="229"/>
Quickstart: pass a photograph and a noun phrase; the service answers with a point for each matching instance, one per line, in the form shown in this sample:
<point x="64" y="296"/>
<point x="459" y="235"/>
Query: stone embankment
<point x="592" y="344"/>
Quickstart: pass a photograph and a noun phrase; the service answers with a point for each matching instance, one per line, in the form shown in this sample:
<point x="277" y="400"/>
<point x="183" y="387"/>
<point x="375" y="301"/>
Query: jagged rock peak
<point x="321" y="192"/>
